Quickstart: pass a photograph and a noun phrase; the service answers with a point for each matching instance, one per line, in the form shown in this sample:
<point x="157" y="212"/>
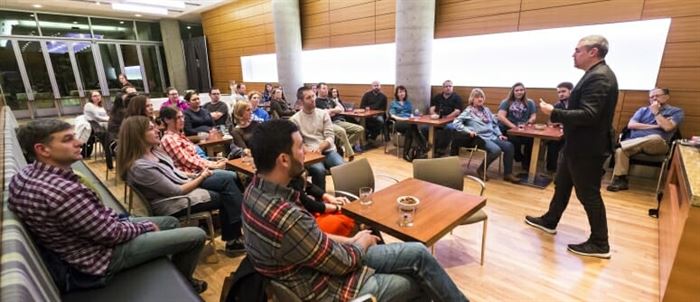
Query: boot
<point x="619" y="183"/>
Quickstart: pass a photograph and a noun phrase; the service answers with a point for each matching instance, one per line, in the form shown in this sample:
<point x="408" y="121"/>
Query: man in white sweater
<point x="317" y="131"/>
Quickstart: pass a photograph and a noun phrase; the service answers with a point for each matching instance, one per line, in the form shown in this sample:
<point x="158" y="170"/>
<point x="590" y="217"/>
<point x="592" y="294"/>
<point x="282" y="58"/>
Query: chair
<point x="475" y="148"/>
<point x="206" y="215"/>
<point x="660" y="160"/>
<point x="395" y="137"/>
<point x="446" y="171"/>
<point x="351" y="176"/>
<point x="281" y="293"/>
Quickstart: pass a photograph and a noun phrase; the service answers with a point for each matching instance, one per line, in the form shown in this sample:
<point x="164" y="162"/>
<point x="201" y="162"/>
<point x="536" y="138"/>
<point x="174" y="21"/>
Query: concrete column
<point x="174" y="54"/>
<point x="288" y="44"/>
<point x="415" y="27"/>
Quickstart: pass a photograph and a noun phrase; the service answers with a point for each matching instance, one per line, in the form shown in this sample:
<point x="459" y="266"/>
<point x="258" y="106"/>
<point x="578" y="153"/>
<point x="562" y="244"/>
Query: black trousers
<point x="410" y="131"/>
<point x="553" y="148"/>
<point x="585" y="175"/>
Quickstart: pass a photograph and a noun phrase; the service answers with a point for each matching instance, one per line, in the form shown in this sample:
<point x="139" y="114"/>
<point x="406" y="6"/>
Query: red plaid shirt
<point x="183" y="152"/>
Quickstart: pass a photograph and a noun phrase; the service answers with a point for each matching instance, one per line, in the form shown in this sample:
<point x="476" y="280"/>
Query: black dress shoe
<point x="199" y="286"/>
<point x="407" y="158"/>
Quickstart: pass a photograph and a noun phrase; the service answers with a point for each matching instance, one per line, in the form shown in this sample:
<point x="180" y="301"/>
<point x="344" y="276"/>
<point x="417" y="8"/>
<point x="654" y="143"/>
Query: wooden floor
<point x="521" y="262"/>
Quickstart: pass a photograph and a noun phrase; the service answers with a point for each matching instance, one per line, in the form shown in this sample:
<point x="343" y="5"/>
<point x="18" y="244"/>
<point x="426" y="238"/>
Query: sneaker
<point x="619" y="183"/>
<point x="234" y="247"/>
<point x="512" y="178"/>
<point x="538" y="223"/>
<point x="590" y="249"/>
<point x="199" y="286"/>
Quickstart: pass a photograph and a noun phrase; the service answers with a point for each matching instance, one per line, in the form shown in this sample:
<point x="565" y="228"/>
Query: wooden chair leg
<point x="483" y="241"/>
<point x="212" y="235"/>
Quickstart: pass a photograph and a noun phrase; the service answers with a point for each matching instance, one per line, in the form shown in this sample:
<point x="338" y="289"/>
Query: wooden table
<point x="548" y="133"/>
<point x="426" y="120"/>
<point x="237" y="164"/>
<point x="362" y="115"/>
<point x="440" y="210"/>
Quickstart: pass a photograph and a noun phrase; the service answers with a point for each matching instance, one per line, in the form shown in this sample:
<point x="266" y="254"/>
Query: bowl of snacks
<point x="407" y="202"/>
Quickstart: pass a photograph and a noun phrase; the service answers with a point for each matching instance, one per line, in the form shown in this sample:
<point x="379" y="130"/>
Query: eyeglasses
<point x="656" y="95"/>
<point x="216" y="93"/>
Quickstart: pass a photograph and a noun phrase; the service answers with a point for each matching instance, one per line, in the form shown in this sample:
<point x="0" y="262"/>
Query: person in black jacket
<point x="589" y="136"/>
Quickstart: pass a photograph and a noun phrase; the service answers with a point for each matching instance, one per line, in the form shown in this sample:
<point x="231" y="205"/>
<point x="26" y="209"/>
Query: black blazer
<point x="588" y="120"/>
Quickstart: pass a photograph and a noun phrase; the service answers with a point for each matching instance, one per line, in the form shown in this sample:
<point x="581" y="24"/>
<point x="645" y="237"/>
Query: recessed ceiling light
<point x="189" y="27"/>
<point x="137" y="15"/>
<point x="98" y="3"/>
<point x="75" y="22"/>
<point x="122" y="22"/>
<point x="32" y="15"/>
<point x="37" y="5"/>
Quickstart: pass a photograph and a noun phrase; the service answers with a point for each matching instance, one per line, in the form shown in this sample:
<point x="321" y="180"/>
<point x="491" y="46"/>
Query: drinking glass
<point x="365" y="193"/>
<point x="416" y="112"/>
<point x="406" y="215"/>
<point x="203" y="136"/>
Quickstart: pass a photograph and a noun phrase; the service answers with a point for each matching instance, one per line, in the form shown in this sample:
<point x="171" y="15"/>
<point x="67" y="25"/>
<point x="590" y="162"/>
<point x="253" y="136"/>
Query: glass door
<point x="11" y="85"/>
<point x="69" y="89"/>
<point x="42" y="98"/>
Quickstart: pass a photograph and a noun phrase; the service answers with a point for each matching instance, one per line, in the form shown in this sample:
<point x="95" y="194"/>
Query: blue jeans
<point x="222" y="188"/>
<point x="184" y="244"/>
<point x="407" y="272"/>
<point x="318" y="170"/>
<point x="493" y="150"/>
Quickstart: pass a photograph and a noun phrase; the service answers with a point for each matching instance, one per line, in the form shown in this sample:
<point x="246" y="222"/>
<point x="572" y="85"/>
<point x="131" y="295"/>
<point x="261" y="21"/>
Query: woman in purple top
<point x="175" y="100"/>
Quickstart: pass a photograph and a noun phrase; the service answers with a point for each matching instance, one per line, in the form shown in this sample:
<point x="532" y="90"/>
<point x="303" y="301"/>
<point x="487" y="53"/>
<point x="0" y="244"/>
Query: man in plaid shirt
<point x="284" y="242"/>
<point x="68" y="218"/>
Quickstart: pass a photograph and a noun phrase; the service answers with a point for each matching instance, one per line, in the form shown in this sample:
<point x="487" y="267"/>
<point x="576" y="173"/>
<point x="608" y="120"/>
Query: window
<point x="64" y="26"/>
<point x="150" y="63"/>
<point x="18" y="23"/>
<point x="113" y="29"/>
<point x="63" y="71"/>
<point x="11" y="84"/>
<point x="148" y="31"/>
<point x="37" y="73"/>
<point x="110" y="63"/>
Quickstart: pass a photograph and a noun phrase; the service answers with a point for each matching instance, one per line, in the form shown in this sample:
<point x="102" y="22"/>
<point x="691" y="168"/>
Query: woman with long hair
<point x="278" y="105"/>
<point x="400" y="111"/>
<point x="98" y="118"/>
<point x="144" y="165"/>
<point x="516" y="111"/>
<point x="181" y="149"/>
<point x="477" y="122"/>
<point x="140" y="105"/>
<point x="267" y="93"/>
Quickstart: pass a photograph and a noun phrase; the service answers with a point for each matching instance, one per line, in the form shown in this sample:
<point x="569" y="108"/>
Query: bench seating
<point x="26" y="278"/>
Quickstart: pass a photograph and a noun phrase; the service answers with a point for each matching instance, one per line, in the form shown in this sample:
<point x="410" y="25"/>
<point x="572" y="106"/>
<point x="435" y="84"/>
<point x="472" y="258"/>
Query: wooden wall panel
<point x="684" y="29"/>
<point x="349" y="23"/>
<point x="588" y="13"/>
<point x="233" y="30"/>
<point x="681" y="55"/>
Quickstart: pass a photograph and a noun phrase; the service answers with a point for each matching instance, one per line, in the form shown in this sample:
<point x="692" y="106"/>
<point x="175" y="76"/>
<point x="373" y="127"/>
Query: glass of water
<point x="365" y="193"/>
<point x="406" y="215"/>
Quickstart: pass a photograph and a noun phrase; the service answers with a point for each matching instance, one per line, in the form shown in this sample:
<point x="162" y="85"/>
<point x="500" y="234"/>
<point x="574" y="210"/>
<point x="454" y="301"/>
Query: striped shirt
<point x="183" y="152"/>
<point x="284" y="243"/>
<point x="68" y="218"/>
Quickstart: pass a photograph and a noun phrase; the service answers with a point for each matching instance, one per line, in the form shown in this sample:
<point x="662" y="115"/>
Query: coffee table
<point x="548" y="133"/>
<point x="248" y="168"/>
<point x="440" y="210"/>
<point x="432" y="123"/>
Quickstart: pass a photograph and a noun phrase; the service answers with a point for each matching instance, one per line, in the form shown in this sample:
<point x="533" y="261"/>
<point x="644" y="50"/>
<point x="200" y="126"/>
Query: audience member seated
<point x="446" y="104"/>
<point x="116" y="115"/>
<point x="267" y="94"/>
<point x="197" y="119"/>
<point x="401" y="110"/>
<point x="518" y="110"/>
<point x="240" y="93"/>
<point x="259" y="114"/>
<point x="123" y="81"/>
<point x="245" y="124"/>
<point x="334" y="95"/>
<point x="140" y="105"/>
<point x="651" y="129"/>
<point x="150" y="170"/>
<point x="174" y="100"/>
<point x="96" y="115"/>
<point x="553" y="147"/>
<point x="68" y="219"/>
<point x="376" y="100"/>
<point x="279" y="106"/>
<point x="286" y="245"/>
<point x="325" y="207"/>
<point x="348" y="134"/>
<point x="179" y="148"/>
<point x="316" y="128"/>
<point x="218" y="110"/>
<point x="477" y="125"/>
